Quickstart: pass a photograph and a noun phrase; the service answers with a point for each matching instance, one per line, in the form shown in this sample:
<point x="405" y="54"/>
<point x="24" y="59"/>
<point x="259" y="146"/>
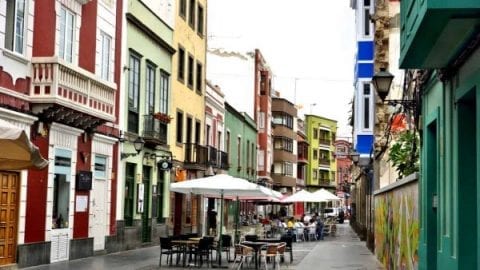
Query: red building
<point x="59" y="79"/>
<point x="344" y="174"/>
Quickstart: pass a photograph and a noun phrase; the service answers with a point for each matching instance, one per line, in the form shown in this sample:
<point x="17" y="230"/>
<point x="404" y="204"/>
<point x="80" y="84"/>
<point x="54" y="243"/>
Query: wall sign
<point x="84" y="180"/>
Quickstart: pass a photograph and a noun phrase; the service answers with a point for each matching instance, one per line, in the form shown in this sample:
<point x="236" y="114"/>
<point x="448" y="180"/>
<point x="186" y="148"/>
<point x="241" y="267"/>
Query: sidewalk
<point x="344" y="251"/>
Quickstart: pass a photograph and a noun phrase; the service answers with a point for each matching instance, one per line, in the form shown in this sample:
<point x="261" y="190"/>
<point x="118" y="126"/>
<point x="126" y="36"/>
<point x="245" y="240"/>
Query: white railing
<point x="54" y="81"/>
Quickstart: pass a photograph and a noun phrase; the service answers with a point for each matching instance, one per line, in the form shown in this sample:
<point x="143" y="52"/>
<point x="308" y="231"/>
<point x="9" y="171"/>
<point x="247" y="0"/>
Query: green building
<point x="144" y="193"/>
<point x="449" y="56"/>
<point x="321" y="166"/>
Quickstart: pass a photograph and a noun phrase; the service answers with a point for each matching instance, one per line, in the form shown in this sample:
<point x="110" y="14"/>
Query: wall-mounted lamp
<point x="382" y="81"/>
<point x="138" y="145"/>
<point x="355" y="157"/>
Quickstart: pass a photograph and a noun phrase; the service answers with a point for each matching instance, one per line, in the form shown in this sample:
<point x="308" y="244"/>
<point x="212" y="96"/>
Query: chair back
<point x="226" y="240"/>
<point x="281" y="248"/>
<point x="204" y="244"/>
<point x="287" y="239"/>
<point x="312" y="230"/>
<point x="272" y="250"/>
<point x="165" y="243"/>
<point x="251" y="237"/>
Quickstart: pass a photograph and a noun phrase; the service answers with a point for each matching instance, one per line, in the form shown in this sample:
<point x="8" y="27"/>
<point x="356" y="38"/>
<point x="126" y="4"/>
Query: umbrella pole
<point x="220" y="236"/>
<point x="237" y="214"/>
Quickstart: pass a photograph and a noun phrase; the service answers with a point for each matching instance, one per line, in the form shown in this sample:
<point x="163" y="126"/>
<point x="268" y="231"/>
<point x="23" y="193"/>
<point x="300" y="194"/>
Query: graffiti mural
<point x="397" y="227"/>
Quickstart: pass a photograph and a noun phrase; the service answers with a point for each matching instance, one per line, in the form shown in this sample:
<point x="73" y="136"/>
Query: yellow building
<point x="188" y="109"/>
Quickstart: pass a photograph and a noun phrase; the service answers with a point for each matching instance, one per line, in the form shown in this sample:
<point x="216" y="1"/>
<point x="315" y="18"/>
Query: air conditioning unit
<point x="283" y="190"/>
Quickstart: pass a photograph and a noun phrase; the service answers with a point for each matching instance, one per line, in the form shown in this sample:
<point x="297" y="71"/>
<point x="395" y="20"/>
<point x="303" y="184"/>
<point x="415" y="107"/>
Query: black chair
<point x="203" y="250"/>
<point x="226" y="245"/>
<point x="251" y="237"/>
<point x="166" y="248"/>
<point x="288" y="239"/>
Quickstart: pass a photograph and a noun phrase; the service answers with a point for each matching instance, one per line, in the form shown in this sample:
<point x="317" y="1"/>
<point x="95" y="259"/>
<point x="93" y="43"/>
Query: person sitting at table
<point x="254" y="220"/>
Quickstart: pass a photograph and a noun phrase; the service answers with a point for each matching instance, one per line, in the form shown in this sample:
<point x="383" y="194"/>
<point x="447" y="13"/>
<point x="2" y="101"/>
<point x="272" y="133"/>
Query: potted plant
<point x="162" y="117"/>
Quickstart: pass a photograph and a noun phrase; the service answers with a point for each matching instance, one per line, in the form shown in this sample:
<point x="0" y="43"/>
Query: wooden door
<point x="9" y="194"/>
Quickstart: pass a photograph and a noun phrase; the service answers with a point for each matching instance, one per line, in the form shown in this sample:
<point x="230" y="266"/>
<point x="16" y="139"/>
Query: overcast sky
<point x="309" y="45"/>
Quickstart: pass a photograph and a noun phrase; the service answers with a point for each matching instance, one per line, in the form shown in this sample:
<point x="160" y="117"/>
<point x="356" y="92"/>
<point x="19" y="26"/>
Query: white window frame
<point x="366" y="104"/>
<point x="105" y="56"/>
<point x="63" y="38"/>
<point x="364" y="9"/>
<point x="15" y="28"/>
<point x="97" y="175"/>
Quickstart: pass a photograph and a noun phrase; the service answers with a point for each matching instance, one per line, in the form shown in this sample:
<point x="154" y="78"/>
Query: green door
<point x="146" y="222"/>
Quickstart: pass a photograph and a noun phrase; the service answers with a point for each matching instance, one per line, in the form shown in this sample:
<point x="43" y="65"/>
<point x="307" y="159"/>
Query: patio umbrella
<point x="220" y="184"/>
<point x="16" y="150"/>
<point x="327" y="195"/>
<point x="303" y="196"/>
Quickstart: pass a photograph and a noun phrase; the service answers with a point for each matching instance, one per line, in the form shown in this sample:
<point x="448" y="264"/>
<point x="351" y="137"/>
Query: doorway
<point x="146" y="222"/>
<point x="10" y="183"/>
<point x="467" y="180"/>
<point x="430" y="200"/>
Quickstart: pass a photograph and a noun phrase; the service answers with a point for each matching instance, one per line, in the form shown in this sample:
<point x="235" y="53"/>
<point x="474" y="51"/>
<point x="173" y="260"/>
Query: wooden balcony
<point x="56" y="83"/>
<point x="284" y="180"/>
<point x="195" y="156"/>
<point x="154" y="131"/>
<point x="449" y="24"/>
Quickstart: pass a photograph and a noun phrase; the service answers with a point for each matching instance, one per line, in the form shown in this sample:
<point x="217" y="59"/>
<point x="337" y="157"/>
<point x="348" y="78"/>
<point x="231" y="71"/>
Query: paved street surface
<point x="342" y="252"/>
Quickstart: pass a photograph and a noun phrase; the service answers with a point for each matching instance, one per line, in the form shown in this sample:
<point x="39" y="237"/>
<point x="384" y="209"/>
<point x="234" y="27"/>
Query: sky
<point x="308" y="44"/>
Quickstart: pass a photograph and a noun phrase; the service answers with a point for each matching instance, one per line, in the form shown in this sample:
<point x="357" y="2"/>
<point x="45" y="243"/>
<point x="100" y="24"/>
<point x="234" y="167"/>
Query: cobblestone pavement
<point x="343" y="251"/>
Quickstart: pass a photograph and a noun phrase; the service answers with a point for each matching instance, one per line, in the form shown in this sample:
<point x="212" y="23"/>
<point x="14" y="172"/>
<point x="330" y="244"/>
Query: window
<point x="15" y="26"/>
<point x="315" y="154"/>
<point x="129" y="199"/>
<point x="198" y="130"/>
<point x="181" y="64"/>
<point x="314" y="174"/>
<point x="105" y="56"/>
<point x="190" y="71"/>
<point x="283" y="143"/>
<point x="160" y="189"/>
<point x="239" y="152"/>
<point x="366" y="17"/>
<point x="67" y="23"/>
<point x="164" y="86"/>
<point x="287" y="169"/>
<point x="150" y="91"/>
<point x="227" y="145"/>
<point x="366" y="106"/>
<point x="315" y="133"/>
<point x="261" y="120"/>
<point x="183" y="8"/>
<point x="133" y="92"/>
<point x="61" y="189"/>
<point x="252" y="162"/>
<point x="248" y="155"/>
<point x="100" y="167"/>
<point x="219" y="140"/>
<point x="199" y="83"/>
<point x="208" y="135"/>
<point x="179" y="127"/>
<point x="200" y="20"/>
<point x="191" y="18"/>
<point x="189" y="130"/>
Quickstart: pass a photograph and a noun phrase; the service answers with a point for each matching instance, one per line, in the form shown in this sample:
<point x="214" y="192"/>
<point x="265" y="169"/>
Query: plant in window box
<point x="162" y="117"/>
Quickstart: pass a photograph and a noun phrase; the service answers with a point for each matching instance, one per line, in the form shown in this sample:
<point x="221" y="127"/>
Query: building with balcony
<point x="284" y="127"/>
<point x="60" y="75"/>
<point x="146" y="112"/>
<point x="321" y="168"/>
<point x="241" y="146"/>
<point x="188" y="109"/>
<point x="449" y="57"/>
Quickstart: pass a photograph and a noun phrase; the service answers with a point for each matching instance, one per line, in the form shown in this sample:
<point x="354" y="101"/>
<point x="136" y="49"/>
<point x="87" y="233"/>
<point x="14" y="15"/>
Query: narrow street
<point x="344" y="251"/>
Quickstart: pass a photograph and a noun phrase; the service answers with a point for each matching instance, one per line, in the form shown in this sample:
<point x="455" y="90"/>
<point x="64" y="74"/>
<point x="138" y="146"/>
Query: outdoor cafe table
<point x="184" y="245"/>
<point x="257" y="246"/>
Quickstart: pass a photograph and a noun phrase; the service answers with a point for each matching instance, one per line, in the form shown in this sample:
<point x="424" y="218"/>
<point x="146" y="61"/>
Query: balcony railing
<point x="212" y="156"/>
<point x="57" y="82"/>
<point x="324" y="141"/>
<point x="154" y="131"/>
<point x="196" y="154"/>
<point x="324" y="161"/>
<point x="223" y="160"/>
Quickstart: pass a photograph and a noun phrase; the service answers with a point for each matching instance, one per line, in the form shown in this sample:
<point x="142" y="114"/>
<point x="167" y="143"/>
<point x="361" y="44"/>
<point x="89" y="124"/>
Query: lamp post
<point x="138" y="145"/>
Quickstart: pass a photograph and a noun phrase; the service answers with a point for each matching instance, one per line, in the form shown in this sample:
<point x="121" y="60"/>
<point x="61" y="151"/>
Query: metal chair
<point x="166" y="248"/>
<point x="288" y="240"/>
<point x="299" y="234"/>
<point x="312" y="233"/>
<point x="226" y="245"/>
<point x="271" y="253"/>
<point x="242" y="254"/>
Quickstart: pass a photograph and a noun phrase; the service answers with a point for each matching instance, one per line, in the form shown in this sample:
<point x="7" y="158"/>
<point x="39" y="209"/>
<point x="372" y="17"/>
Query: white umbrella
<point x="220" y="184"/>
<point x="303" y="196"/>
<point x="325" y="194"/>
<point x="16" y="150"/>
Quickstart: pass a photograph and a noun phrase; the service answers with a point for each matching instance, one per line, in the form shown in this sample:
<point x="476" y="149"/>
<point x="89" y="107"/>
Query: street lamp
<point x="355" y="157"/>
<point x="382" y="81"/>
<point x="138" y="145"/>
